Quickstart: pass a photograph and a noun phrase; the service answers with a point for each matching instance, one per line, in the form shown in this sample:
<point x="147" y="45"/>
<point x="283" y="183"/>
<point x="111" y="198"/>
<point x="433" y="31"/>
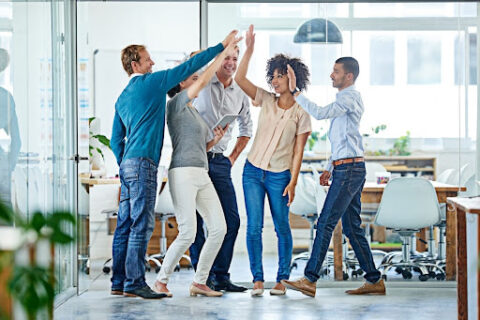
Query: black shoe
<point x="211" y="284"/>
<point x="228" y="286"/>
<point x="145" y="293"/>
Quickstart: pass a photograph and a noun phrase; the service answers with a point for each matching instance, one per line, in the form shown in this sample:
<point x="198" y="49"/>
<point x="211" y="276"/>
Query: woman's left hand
<point x="290" y="191"/>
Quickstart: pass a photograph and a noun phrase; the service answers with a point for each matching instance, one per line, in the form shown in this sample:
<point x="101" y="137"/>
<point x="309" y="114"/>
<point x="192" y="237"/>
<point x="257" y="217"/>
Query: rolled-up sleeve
<point x="245" y="124"/>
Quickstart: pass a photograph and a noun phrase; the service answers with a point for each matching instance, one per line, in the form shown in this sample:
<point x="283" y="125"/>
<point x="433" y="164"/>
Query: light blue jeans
<point x="257" y="183"/>
<point x="135" y="223"/>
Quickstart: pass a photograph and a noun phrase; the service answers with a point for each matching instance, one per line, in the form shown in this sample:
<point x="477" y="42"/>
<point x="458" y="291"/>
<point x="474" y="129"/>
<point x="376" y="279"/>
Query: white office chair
<point x="471" y="186"/>
<point x="163" y="211"/>
<point x="408" y="205"/>
<point x="370" y="209"/>
<point x="449" y="176"/>
<point x="305" y="205"/>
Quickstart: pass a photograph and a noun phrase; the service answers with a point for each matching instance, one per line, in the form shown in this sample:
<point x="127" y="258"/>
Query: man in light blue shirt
<point x="343" y="198"/>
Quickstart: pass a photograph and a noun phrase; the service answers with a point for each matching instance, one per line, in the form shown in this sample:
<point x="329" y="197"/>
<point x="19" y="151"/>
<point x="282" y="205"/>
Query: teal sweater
<point x="138" y="126"/>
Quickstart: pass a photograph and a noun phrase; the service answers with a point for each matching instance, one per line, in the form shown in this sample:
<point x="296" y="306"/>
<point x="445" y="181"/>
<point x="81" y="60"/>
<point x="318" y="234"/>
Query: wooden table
<point x="463" y="209"/>
<point x="372" y="193"/>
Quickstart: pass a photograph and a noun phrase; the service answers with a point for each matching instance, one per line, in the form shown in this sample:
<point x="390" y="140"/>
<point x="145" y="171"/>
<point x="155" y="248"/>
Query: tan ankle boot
<point x="303" y="285"/>
<point x="370" y="288"/>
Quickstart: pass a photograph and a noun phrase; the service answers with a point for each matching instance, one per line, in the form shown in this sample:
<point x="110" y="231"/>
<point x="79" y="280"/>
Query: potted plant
<point x="96" y="142"/>
<point x="31" y="284"/>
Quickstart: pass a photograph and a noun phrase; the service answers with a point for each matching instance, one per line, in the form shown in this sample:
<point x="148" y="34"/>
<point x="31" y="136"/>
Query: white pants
<point x="192" y="190"/>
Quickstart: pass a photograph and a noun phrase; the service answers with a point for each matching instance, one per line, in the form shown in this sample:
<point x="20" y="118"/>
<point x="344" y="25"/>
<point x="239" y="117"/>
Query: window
<point x="424" y="60"/>
<point x="323" y="58"/>
<point x="283" y="43"/>
<point x="382" y="60"/>
<point x="460" y="59"/>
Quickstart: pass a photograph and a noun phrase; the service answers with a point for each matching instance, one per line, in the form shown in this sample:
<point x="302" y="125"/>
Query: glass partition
<point x="36" y="117"/>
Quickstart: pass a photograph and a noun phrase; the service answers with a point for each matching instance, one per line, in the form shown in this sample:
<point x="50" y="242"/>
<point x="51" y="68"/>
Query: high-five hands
<point x="250" y="37"/>
<point x="231" y="46"/>
<point x="292" y="79"/>
<point x="229" y="38"/>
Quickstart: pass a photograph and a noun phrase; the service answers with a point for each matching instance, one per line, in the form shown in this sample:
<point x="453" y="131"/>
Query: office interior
<point x="418" y="79"/>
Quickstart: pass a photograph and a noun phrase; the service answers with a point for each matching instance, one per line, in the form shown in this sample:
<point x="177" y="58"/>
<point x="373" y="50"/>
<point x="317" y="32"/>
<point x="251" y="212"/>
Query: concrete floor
<point x="404" y="300"/>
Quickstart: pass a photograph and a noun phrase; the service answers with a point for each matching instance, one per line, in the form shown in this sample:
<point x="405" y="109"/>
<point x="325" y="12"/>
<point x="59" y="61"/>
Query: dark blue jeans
<point x="135" y="223"/>
<point x="343" y="201"/>
<point x="256" y="183"/>
<point x="219" y="170"/>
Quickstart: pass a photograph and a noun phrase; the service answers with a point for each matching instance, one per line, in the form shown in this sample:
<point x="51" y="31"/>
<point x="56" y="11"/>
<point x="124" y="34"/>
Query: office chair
<point x="408" y="205"/>
<point x="305" y="205"/>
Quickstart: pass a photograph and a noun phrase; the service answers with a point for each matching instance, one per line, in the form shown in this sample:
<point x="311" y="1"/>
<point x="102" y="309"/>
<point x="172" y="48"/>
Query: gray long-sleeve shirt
<point x="215" y="101"/>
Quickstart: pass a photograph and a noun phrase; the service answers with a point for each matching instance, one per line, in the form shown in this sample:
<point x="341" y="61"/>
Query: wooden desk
<point x="463" y="207"/>
<point x="372" y="193"/>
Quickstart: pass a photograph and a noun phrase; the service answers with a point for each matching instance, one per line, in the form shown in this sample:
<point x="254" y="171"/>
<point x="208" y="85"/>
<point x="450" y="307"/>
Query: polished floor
<point x="404" y="300"/>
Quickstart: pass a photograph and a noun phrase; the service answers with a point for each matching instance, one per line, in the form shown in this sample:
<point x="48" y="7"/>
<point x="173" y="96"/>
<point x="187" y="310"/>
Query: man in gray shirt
<point x="220" y="97"/>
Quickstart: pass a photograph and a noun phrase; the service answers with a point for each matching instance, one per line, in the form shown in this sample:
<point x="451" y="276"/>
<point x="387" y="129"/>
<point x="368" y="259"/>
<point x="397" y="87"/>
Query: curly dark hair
<point x="279" y="62"/>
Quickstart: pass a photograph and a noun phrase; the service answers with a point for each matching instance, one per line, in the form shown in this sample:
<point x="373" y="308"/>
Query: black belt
<point x="212" y="155"/>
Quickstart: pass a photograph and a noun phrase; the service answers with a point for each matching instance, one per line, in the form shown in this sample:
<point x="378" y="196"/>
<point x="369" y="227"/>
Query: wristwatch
<point x="295" y="91"/>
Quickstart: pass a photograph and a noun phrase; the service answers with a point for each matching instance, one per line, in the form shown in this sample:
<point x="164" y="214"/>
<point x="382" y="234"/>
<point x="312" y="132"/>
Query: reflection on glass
<point x="9" y="135"/>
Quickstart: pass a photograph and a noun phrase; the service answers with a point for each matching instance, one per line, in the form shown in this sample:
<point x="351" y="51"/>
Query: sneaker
<point x="303" y="285"/>
<point x="377" y="288"/>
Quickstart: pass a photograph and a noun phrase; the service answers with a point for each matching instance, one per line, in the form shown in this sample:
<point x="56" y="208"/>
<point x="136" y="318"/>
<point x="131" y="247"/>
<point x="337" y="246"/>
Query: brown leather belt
<point x="347" y="160"/>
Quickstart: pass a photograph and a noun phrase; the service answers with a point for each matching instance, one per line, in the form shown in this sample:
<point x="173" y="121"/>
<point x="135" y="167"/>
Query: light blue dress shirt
<point x="345" y="112"/>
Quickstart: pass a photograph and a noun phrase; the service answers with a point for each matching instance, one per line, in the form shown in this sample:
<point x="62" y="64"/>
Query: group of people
<point x="200" y="174"/>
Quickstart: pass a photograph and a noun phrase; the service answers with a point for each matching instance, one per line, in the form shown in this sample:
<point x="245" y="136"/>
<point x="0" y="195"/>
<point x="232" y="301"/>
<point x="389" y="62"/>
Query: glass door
<point x="37" y="76"/>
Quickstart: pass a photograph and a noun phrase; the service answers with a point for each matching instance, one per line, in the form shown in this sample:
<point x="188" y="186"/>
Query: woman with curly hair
<point x="273" y="163"/>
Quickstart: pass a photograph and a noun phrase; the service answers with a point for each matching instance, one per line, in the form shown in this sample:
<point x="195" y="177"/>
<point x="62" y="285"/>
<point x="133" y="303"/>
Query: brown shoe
<point x="116" y="292"/>
<point x="303" y="285"/>
<point x="370" y="288"/>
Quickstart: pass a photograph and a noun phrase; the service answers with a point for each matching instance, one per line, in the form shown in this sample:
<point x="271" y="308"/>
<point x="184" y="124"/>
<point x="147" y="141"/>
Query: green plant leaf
<point x="101" y="153"/>
<point x="31" y="287"/>
<point x="38" y="221"/>
<point x="58" y="222"/>
<point x="90" y="120"/>
<point x="103" y="139"/>
<point x="6" y="214"/>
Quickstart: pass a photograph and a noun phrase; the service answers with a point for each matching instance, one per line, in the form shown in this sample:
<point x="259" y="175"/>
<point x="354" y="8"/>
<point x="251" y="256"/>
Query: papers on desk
<point x="4" y="141"/>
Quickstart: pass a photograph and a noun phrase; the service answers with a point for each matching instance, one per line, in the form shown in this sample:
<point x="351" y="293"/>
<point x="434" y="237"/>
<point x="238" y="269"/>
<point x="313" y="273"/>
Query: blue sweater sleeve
<point x="117" y="143"/>
<point x="167" y="79"/>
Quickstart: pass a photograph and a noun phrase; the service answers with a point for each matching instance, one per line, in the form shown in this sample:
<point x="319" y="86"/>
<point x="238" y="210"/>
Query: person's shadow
<point x="9" y="135"/>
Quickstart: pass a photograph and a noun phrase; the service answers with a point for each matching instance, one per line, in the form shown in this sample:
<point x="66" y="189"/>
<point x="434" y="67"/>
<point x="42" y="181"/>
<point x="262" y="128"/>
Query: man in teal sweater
<point x="137" y="140"/>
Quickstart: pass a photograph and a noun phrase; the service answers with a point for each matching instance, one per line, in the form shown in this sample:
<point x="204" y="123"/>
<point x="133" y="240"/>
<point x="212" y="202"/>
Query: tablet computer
<point x="226" y="119"/>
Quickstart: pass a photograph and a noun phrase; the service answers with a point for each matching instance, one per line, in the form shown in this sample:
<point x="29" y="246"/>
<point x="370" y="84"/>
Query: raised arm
<point x="241" y="76"/>
<point x="205" y="77"/>
<point x="335" y="109"/>
<point x="169" y="78"/>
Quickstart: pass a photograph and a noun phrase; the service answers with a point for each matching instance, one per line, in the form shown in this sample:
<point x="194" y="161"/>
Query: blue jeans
<point x="257" y="183"/>
<point x="135" y="223"/>
<point x="343" y="201"/>
<point x="219" y="170"/>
